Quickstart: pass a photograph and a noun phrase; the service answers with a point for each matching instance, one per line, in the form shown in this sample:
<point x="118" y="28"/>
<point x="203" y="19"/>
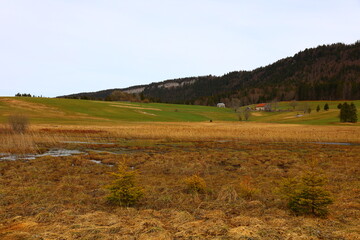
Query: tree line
<point x="25" y="95"/>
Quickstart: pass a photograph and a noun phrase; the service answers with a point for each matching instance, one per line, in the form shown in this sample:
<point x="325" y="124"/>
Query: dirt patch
<point x="38" y="107"/>
<point x="146" y="113"/>
<point x="257" y="114"/>
<point x="30" y="106"/>
<point x="132" y="107"/>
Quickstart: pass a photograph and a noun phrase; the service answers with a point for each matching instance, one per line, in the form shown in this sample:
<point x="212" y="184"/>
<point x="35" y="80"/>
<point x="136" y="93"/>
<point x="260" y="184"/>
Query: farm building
<point x="260" y="107"/>
<point x="221" y="105"/>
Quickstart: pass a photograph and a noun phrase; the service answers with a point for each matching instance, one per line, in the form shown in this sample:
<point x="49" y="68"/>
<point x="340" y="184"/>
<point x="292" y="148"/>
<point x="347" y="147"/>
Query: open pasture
<point x="293" y="113"/>
<point x="83" y="112"/>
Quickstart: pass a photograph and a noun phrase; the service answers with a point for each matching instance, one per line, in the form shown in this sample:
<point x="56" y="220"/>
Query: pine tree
<point x="344" y="112"/>
<point x="339" y="106"/>
<point x="307" y="196"/>
<point x="124" y="191"/>
<point x="326" y="107"/>
<point x="318" y="108"/>
<point x="348" y="113"/>
<point x="353" y="113"/>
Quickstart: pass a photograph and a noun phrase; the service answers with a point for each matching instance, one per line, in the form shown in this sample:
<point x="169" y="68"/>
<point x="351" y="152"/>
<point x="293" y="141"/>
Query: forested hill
<point x="328" y="72"/>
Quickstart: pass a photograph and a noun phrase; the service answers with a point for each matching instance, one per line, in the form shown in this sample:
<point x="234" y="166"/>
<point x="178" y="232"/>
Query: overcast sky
<point x="57" y="47"/>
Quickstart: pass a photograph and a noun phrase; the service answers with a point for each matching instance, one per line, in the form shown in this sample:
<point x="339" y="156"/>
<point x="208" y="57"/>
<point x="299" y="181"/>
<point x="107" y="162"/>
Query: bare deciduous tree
<point x="293" y="104"/>
<point x="244" y="114"/>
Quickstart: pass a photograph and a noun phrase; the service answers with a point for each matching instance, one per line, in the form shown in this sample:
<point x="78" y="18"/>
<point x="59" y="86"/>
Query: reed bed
<point x="260" y="132"/>
<point x="241" y="131"/>
<point x="39" y="137"/>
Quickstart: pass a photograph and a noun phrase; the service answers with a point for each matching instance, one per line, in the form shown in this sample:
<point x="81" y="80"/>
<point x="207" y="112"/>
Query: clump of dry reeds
<point x="29" y="141"/>
<point x="18" y="123"/>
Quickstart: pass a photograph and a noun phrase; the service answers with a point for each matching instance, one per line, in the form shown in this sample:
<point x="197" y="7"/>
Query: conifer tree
<point x="326" y="107"/>
<point x="318" y="108"/>
<point x="353" y="113"/>
<point x="348" y="113"/>
<point x="307" y="196"/>
<point x="124" y="191"/>
<point x="344" y="112"/>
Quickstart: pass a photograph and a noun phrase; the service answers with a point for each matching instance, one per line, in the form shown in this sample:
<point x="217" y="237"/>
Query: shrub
<point x="307" y="196"/>
<point x="18" y="123"/>
<point x="124" y="190"/>
<point x="195" y="184"/>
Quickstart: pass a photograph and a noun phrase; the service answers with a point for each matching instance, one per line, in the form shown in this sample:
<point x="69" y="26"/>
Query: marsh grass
<point x="28" y="142"/>
<point x="204" y="131"/>
<point x="65" y="196"/>
<point x="18" y="123"/>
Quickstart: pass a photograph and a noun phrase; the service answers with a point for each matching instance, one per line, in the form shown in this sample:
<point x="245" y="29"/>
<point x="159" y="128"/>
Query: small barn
<point x="260" y="107"/>
<point x="220" y="105"/>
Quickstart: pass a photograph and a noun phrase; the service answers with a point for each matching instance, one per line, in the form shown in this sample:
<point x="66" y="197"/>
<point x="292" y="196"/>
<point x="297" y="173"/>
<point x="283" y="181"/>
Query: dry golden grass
<point x="260" y="132"/>
<point x="29" y="142"/>
<point x="64" y="197"/>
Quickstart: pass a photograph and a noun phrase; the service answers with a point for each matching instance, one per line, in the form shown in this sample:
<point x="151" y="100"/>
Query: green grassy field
<point x="288" y="114"/>
<point x="73" y="111"/>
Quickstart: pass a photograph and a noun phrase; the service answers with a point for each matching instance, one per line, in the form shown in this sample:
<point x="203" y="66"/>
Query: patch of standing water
<point x="93" y="143"/>
<point x="337" y="143"/>
<point x="101" y="163"/>
<point x="52" y="153"/>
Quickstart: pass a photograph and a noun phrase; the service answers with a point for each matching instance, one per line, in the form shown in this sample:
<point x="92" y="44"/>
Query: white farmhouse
<point x="221" y="105"/>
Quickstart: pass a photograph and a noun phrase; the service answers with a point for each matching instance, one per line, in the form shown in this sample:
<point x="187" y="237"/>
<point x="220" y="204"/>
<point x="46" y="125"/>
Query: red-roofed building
<point x="260" y="107"/>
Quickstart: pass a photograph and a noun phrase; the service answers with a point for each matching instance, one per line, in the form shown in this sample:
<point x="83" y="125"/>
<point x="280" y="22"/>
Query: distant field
<point x="85" y="112"/>
<point x="297" y="116"/>
<point x="72" y="111"/>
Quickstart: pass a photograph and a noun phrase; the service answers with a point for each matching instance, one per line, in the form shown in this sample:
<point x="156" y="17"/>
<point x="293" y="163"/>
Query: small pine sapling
<point x="124" y="190"/>
<point x="307" y="196"/>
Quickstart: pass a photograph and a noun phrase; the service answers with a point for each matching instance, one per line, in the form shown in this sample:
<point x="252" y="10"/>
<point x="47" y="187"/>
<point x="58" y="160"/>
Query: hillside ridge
<point x="327" y="72"/>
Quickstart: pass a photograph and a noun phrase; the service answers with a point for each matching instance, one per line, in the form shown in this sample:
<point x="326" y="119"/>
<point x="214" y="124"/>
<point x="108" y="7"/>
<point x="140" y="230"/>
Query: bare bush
<point x="18" y="123"/>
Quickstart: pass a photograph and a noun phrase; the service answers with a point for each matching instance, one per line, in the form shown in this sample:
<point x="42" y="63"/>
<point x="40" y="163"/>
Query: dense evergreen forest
<point x="328" y="72"/>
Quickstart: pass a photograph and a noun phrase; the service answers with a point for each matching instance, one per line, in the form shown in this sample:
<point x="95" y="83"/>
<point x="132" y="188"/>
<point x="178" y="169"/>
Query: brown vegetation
<point x="65" y="197"/>
<point x="18" y="123"/>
